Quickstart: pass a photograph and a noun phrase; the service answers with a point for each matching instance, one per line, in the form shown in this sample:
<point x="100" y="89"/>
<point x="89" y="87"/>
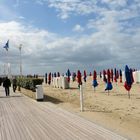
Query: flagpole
<point x="20" y="47"/>
<point x="4" y="69"/>
<point x="7" y="67"/>
<point x="7" y="70"/>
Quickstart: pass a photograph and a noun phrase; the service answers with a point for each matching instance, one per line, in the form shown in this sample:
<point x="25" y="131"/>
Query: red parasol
<point x="85" y="75"/>
<point x="79" y="78"/>
<point x="111" y="76"/>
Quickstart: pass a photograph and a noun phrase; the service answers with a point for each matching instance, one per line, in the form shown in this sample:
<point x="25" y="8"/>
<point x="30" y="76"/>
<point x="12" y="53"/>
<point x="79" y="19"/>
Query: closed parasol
<point x="129" y="81"/>
<point x="95" y="84"/>
<point x="68" y="74"/>
<point x="85" y="75"/>
<point x="109" y="84"/>
<point x="79" y="78"/>
<point x="120" y="76"/>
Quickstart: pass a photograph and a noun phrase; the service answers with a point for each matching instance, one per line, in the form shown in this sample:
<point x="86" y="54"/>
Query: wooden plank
<point x="22" y="118"/>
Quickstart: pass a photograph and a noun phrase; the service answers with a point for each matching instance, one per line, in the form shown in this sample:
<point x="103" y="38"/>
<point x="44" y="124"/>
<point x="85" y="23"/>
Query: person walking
<point x="0" y="81"/>
<point x="6" y="85"/>
<point x="14" y="83"/>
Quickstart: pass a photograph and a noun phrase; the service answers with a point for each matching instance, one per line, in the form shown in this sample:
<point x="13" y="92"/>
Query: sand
<point x="115" y="111"/>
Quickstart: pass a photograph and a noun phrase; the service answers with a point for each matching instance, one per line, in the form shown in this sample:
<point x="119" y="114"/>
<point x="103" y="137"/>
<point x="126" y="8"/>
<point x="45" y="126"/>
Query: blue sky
<point x="76" y="34"/>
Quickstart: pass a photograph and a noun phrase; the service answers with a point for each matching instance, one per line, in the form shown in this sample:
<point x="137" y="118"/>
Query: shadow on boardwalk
<point x="15" y="96"/>
<point x="51" y="99"/>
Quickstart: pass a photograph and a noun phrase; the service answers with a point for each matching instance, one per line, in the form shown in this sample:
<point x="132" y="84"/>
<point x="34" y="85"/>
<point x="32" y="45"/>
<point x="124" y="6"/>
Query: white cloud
<point x="68" y="7"/>
<point x="78" y="28"/>
<point x="63" y="15"/>
<point x="45" y="51"/>
<point x="33" y="41"/>
<point x="115" y="3"/>
<point x="109" y="44"/>
<point x="21" y="17"/>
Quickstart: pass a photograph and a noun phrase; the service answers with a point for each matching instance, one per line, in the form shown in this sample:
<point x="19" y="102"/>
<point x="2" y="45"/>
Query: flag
<point x="6" y="45"/>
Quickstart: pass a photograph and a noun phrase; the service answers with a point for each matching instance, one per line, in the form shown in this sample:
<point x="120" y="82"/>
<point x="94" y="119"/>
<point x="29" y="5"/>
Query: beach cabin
<point x="65" y="83"/>
<point x="138" y="76"/>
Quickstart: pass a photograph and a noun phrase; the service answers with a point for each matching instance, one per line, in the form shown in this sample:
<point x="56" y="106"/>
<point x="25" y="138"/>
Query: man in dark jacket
<point x="0" y="81"/>
<point x="6" y="85"/>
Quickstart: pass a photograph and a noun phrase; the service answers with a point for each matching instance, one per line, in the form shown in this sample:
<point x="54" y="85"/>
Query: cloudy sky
<point x="75" y="34"/>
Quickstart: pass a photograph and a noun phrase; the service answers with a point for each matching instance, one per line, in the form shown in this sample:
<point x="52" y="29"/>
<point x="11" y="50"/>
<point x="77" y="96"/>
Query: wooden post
<point x="81" y="99"/>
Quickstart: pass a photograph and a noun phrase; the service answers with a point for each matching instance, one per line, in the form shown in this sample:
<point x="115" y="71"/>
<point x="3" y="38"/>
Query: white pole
<point x="129" y="94"/>
<point x="20" y="46"/>
<point x="4" y="71"/>
<point x="81" y="99"/>
<point x="7" y="70"/>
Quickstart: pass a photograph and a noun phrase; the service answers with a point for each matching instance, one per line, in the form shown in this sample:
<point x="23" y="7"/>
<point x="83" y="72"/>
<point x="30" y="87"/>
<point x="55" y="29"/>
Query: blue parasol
<point x="68" y="74"/>
<point x="128" y="76"/>
<point x="129" y="81"/>
<point x="46" y="78"/>
<point x="95" y="84"/>
<point x="55" y="74"/>
<point x="115" y="77"/>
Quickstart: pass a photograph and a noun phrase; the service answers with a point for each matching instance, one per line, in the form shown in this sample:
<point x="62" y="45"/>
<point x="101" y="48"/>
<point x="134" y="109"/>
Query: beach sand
<point x="115" y="111"/>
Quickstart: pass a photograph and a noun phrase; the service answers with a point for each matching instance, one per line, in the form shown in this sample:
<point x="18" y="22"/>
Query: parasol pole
<point x="116" y="88"/>
<point x="81" y="99"/>
<point x="129" y="94"/>
<point x="94" y="89"/>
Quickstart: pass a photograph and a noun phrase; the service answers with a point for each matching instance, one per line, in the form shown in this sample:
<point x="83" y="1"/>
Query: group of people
<point x="7" y="84"/>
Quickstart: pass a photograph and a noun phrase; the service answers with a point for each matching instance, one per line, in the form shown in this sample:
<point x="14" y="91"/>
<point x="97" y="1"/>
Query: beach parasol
<point x="95" y="84"/>
<point x="58" y="74"/>
<point x="54" y="74"/>
<point x="68" y="74"/>
<point x="111" y="75"/>
<point x="120" y="76"/>
<point x="109" y="84"/>
<point x="79" y="78"/>
<point x="104" y="76"/>
<point x="85" y="75"/>
<point x="115" y="75"/>
<point x="49" y="78"/>
<point x="73" y="76"/>
<point x="90" y="74"/>
<point x="128" y="82"/>
<point x="46" y="78"/>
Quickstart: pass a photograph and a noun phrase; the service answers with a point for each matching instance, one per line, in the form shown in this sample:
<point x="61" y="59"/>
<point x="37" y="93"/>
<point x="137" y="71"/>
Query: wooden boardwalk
<point x="22" y="118"/>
